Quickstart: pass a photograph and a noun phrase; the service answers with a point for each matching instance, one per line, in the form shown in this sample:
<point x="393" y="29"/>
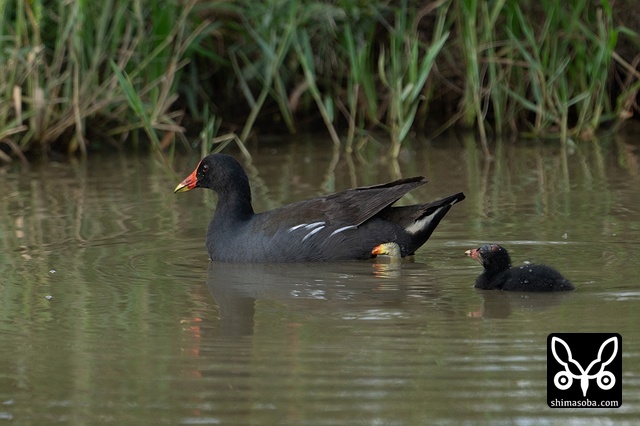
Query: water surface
<point x="110" y="311"/>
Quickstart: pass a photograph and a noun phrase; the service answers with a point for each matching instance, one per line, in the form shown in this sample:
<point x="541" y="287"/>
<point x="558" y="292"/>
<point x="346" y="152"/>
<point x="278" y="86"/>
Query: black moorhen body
<point x="342" y="226"/>
<point x="499" y="275"/>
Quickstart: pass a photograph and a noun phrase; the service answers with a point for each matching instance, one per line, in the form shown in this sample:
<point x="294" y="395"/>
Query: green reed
<point x="404" y="71"/>
<point x="325" y="104"/>
<point x="259" y="63"/>
<point x="360" y="81"/>
<point x="545" y="69"/>
<point x="54" y="63"/>
<point x="517" y="75"/>
<point x="476" y="23"/>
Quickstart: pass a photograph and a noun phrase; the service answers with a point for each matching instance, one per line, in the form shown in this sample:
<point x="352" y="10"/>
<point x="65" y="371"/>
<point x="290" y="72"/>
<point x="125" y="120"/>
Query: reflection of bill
<point x="564" y="379"/>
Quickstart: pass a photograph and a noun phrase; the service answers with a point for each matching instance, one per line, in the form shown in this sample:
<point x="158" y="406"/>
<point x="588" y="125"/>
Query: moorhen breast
<point x="342" y="226"/>
<point x="499" y="275"/>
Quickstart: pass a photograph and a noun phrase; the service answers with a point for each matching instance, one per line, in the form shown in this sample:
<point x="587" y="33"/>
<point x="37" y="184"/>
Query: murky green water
<point x="110" y="311"/>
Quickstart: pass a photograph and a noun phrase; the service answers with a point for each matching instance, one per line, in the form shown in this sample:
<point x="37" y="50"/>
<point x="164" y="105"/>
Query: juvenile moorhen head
<point x="387" y="249"/>
<point x="493" y="257"/>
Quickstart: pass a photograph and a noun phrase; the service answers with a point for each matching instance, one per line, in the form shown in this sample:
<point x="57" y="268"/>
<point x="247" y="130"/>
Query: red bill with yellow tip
<point x="188" y="183"/>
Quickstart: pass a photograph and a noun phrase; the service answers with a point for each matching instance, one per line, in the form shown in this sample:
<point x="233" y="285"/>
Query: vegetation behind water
<point x="78" y="74"/>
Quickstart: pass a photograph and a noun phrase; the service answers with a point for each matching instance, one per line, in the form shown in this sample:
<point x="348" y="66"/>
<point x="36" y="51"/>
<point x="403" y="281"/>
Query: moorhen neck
<point x="499" y="275"/>
<point x="342" y="226"/>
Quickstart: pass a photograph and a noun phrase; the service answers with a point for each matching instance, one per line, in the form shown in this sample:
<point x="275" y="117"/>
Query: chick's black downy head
<point x="492" y="257"/>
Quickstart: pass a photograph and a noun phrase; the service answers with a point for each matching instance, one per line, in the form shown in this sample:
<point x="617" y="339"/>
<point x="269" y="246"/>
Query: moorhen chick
<point x="342" y="226"/>
<point x="499" y="275"/>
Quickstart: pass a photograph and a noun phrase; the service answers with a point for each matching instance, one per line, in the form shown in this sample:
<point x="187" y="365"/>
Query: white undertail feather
<point x="419" y="225"/>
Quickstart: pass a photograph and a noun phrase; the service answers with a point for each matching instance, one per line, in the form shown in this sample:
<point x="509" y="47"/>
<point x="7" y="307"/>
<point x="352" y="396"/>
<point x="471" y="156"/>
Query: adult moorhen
<point x="499" y="275"/>
<point x="342" y="226"/>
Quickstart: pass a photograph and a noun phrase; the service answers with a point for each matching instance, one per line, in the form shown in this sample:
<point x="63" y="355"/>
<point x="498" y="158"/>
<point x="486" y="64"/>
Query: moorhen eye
<point x="342" y="226"/>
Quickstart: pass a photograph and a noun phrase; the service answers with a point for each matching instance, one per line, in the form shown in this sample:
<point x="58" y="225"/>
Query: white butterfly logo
<point x="564" y="379"/>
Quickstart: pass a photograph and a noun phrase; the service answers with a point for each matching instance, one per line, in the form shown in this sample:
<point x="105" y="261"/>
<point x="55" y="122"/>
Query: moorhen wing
<point x="342" y="226"/>
<point x="499" y="275"/>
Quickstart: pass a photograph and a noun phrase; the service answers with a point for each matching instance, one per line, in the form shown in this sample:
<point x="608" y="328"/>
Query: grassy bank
<point x="75" y="74"/>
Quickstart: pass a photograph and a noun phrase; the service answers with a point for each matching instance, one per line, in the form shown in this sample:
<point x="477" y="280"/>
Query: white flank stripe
<point x="306" y="226"/>
<point x="313" y="232"/>
<point x="314" y="224"/>
<point x="419" y="225"/>
<point x="344" y="228"/>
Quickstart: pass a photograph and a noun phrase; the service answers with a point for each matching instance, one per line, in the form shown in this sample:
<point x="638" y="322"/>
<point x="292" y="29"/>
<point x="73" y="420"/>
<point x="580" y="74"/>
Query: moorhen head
<point x="387" y="249"/>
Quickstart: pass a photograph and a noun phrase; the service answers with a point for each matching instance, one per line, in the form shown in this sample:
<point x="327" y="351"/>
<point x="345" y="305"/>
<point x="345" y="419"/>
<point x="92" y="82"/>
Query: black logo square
<point x="584" y="370"/>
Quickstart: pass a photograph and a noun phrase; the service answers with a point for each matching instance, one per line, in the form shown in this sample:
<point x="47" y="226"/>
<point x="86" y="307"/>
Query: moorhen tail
<point x="342" y="226"/>
<point x="499" y="275"/>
